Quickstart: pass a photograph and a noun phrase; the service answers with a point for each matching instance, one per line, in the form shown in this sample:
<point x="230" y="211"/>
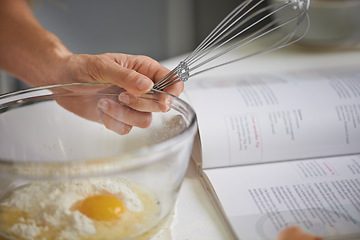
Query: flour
<point x="26" y="228"/>
<point x="48" y="206"/>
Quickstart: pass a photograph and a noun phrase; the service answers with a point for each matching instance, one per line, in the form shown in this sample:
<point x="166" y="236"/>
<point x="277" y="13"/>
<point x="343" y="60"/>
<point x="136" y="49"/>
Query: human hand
<point x="136" y="74"/>
<point x="295" y="233"/>
<point x="84" y="100"/>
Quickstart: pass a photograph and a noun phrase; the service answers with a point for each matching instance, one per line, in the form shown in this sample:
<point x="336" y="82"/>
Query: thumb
<point x="111" y="72"/>
<point x="132" y="81"/>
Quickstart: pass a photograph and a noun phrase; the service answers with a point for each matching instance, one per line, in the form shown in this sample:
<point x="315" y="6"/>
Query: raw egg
<point x="102" y="207"/>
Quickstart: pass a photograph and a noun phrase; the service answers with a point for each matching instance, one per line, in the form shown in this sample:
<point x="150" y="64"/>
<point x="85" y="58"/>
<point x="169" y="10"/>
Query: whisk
<point x="283" y="22"/>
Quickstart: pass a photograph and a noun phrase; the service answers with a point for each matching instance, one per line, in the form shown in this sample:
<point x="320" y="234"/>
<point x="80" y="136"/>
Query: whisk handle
<point x="182" y="71"/>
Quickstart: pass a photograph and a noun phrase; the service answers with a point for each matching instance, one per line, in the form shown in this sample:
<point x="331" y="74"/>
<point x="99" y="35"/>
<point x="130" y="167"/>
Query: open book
<point x="282" y="150"/>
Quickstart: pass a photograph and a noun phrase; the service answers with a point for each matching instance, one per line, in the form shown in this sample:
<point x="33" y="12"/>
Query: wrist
<point x="56" y="58"/>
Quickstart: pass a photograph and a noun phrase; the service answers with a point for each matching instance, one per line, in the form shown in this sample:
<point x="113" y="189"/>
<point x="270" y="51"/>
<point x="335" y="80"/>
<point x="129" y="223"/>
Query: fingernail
<point x="124" y="98"/>
<point x="168" y="105"/>
<point x="165" y="105"/>
<point x="143" y="84"/>
<point x="103" y="105"/>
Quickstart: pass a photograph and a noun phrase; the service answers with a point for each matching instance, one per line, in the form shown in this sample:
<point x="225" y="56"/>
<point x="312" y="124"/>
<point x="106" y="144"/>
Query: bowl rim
<point x="7" y="166"/>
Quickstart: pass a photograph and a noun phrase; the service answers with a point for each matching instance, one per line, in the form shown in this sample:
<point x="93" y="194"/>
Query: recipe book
<point x="279" y="150"/>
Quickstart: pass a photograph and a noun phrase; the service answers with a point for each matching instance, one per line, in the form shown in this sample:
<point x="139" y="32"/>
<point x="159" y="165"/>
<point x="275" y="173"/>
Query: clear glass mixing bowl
<point x="64" y="175"/>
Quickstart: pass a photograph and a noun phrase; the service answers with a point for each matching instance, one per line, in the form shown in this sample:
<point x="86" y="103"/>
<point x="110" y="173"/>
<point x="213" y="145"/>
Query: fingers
<point x="120" y="118"/>
<point x="114" y="125"/>
<point x="106" y="68"/>
<point x="295" y="233"/>
<point x="158" y="102"/>
<point x="148" y="67"/>
<point x="175" y="89"/>
<point x="137" y="74"/>
<point x="155" y="71"/>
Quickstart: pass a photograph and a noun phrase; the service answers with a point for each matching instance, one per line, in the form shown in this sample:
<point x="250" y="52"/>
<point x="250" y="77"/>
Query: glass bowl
<point x="70" y="170"/>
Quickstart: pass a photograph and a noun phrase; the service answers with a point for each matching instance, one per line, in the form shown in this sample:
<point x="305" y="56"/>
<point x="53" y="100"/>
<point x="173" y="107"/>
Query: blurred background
<point x="163" y="29"/>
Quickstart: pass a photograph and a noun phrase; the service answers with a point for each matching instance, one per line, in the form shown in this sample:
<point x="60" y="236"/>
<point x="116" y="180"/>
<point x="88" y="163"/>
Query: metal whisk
<point x="282" y="22"/>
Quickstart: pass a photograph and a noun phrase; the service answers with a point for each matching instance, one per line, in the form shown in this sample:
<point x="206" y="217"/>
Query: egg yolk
<point x="102" y="207"/>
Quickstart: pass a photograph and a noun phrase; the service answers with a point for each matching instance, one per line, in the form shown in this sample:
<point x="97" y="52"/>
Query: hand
<point x="295" y="233"/>
<point x="103" y="103"/>
<point x="134" y="73"/>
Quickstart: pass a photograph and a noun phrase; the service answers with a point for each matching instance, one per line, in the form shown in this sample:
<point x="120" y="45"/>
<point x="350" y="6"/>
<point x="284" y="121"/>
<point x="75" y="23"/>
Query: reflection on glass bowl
<point x="64" y="175"/>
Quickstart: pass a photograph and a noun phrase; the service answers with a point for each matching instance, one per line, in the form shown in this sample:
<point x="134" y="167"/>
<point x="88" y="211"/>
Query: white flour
<point x="48" y="206"/>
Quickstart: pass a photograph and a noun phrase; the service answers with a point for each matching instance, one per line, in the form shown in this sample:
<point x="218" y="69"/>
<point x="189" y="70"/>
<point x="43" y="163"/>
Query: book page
<point x="267" y="118"/>
<point x="321" y="196"/>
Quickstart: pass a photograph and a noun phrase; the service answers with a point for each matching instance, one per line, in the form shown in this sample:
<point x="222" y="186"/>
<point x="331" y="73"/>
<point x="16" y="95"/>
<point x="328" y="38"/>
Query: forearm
<point x="27" y="50"/>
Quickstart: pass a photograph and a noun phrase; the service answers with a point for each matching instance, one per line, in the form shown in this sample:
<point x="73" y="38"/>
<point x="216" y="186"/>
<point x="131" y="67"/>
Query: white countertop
<point x="195" y="217"/>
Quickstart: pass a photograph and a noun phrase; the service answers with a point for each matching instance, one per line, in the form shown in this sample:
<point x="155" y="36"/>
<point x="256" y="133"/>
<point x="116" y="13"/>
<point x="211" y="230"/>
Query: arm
<point x="38" y="57"/>
<point x="27" y="50"/>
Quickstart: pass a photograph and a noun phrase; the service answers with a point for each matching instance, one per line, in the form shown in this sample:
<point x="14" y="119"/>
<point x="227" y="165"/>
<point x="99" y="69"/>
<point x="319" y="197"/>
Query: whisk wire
<point x="241" y="42"/>
<point x="215" y="36"/>
<point x="267" y="29"/>
<point x="285" y="41"/>
<point x="217" y="39"/>
<point x="247" y="24"/>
